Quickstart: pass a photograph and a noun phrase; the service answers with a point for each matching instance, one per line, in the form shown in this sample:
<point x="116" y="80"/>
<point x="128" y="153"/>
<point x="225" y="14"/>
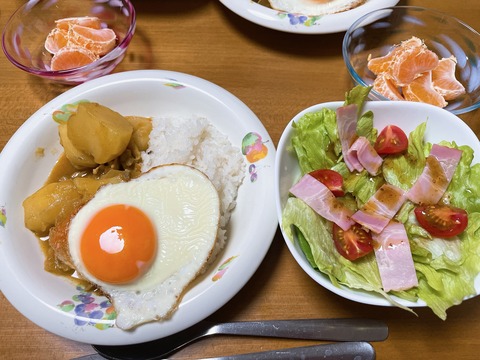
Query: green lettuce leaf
<point x="403" y="170"/>
<point x="316" y="141"/>
<point x="447" y="275"/>
<point x="358" y="95"/>
<point x="464" y="189"/>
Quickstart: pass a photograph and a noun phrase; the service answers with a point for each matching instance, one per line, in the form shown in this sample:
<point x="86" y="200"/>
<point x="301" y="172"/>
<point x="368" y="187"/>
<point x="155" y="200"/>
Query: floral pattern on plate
<point x="3" y="216"/>
<point x="89" y="309"/>
<point x="297" y="19"/>
<point x="223" y="268"/>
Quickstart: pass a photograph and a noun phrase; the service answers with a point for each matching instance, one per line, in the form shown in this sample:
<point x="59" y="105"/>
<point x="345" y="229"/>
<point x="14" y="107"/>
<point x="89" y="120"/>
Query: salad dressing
<point x="386" y="197"/>
<point x="437" y="173"/>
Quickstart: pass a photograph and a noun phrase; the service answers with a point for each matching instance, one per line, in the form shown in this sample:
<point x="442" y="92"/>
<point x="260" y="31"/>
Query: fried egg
<point x="144" y="241"/>
<point x="315" y="7"/>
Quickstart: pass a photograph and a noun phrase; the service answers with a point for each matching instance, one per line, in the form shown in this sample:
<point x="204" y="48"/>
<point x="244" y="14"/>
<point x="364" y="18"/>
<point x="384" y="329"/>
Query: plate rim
<point x="278" y="20"/>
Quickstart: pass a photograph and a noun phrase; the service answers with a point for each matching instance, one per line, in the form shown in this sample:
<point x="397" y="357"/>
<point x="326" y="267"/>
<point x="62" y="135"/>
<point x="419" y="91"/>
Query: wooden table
<point x="276" y="74"/>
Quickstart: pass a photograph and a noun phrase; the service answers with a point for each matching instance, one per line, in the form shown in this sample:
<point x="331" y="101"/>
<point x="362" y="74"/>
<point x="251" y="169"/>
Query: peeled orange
<point x="56" y="39"/>
<point x="444" y="81"/>
<point x="77" y="41"/>
<point x="89" y="21"/>
<point x="382" y="64"/>
<point x="412" y="72"/>
<point x="421" y="89"/>
<point x="70" y="57"/>
<point x="411" y="63"/>
<point x="385" y="86"/>
<point x="99" y="41"/>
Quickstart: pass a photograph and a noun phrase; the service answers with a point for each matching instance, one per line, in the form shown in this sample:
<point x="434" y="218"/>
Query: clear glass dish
<point x="375" y="33"/>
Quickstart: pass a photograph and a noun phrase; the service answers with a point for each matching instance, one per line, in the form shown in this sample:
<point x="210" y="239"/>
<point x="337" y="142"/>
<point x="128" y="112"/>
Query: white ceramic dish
<point x="296" y="23"/>
<point x="56" y="304"/>
<point x="441" y="125"/>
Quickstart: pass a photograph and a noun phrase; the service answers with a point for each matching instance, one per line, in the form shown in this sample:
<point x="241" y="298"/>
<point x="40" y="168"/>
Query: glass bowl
<point x="25" y="33"/>
<point x="375" y="33"/>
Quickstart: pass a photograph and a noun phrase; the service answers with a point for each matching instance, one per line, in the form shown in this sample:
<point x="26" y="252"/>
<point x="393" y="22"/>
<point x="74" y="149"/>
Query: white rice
<point x="196" y="142"/>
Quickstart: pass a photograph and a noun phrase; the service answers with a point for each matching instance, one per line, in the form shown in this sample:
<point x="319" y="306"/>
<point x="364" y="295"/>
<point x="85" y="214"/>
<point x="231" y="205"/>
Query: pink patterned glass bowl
<point x="25" y="33"/>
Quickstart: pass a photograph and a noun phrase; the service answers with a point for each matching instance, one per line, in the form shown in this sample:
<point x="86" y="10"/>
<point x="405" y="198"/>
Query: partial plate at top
<point x="302" y="24"/>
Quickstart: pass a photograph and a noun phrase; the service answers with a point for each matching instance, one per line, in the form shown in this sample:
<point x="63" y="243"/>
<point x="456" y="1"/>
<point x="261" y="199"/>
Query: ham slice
<point x="366" y="155"/>
<point x="436" y="176"/>
<point x="394" y="258"/>
<point x="321" y="200"/>
<point x="377" y="212"/>
<point x="347" y="132"/>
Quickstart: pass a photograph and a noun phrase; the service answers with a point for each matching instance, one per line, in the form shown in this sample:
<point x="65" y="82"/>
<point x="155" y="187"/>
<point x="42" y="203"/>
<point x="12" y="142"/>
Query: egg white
<point x="315" y="7"/>
<point x="184" y="206"/>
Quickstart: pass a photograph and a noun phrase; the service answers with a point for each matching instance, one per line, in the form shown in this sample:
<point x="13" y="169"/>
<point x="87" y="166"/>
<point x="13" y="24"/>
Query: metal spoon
<point x="333" y="351"/>
<point x="336" y="351"/>
<point x="307" y="329"/>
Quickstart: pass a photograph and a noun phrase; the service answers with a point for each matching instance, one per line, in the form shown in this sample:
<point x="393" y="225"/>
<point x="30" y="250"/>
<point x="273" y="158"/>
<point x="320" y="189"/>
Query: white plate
<point x="50" y="301"/>
<point x="441" y="125"/>
<point x="295" y="23"/>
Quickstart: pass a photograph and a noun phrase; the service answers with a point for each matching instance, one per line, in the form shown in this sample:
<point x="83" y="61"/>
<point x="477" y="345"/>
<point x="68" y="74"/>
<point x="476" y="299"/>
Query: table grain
<point x="276" y="74"/>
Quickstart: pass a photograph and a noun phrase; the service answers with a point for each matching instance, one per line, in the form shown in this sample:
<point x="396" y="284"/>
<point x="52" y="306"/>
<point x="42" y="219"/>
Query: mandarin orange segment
<point x="411" y="63"/>
<point x="444" y="80"/>
<point x="70" y="57"/>
<point x="421" y="90"/>
<point x="385" y="86"/>
<point x="89" y="21"/>
<point x="413" y="42"/>
<point x="382" y="64"/>
<point x="99" y="41"/>
<point x="56" y="39"/>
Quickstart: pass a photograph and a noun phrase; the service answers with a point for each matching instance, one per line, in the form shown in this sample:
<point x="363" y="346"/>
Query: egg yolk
<point x="119" y="244"/>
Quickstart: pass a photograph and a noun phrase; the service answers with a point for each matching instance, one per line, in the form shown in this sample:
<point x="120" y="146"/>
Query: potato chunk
<point x="77" y="158"/>
<point x="99" y="131"/>
<point x="142" y="127"/>
<point x="50" y="204"/>
<point x="56" y="201"/>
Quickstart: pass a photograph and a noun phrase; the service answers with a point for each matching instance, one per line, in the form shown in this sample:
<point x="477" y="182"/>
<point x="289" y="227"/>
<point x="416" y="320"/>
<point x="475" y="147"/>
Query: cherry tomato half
<point x="331" y="179"/>
<point x="353" y="243"/>
<point x="391" y="140"/>
<point x="442" y="220"/>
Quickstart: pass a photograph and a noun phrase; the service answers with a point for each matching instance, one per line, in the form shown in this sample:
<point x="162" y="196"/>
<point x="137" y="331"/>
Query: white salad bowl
<point x="441" y="125"/>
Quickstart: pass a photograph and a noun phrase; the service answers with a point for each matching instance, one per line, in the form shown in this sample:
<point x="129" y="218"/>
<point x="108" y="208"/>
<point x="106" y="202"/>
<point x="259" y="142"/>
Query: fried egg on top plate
<point x="142" y="242"/>
<point x="315" y="7"/>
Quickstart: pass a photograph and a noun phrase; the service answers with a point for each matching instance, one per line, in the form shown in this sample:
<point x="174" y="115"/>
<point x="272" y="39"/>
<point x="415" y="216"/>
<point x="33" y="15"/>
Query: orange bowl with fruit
<point x="416" y="54"/>
<point x="69" y="41"/>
